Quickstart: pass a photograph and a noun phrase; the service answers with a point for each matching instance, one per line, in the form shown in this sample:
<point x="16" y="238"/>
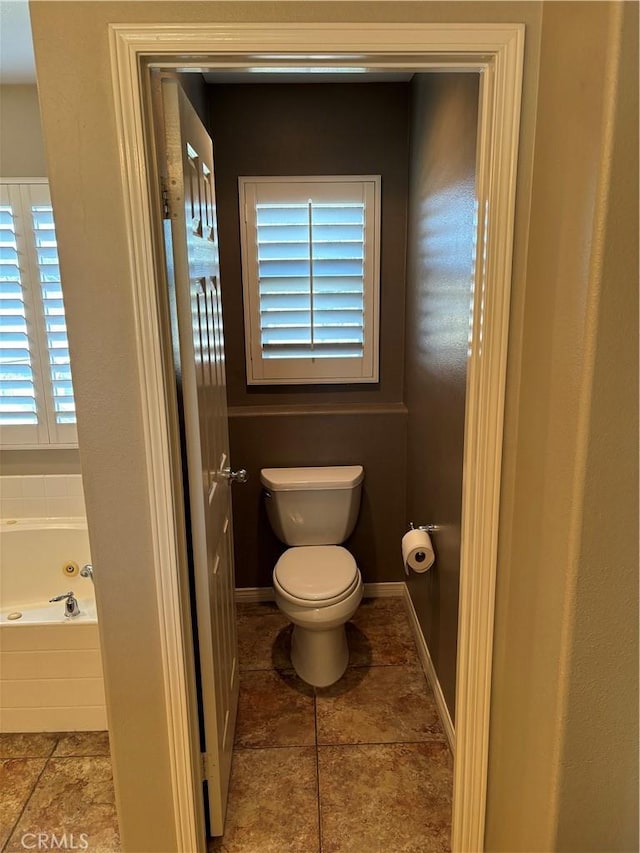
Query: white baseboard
<point x="393" y="589"/>
<point x="430" y="671"/>
<point x="256" y="594"/>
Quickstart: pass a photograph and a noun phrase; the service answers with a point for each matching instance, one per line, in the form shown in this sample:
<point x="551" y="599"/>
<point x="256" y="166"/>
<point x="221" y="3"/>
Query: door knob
<point x="239" y="476"/>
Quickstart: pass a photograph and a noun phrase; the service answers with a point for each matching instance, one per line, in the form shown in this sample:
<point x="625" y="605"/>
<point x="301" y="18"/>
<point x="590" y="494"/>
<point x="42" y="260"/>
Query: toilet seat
<point x="316" y="575"/>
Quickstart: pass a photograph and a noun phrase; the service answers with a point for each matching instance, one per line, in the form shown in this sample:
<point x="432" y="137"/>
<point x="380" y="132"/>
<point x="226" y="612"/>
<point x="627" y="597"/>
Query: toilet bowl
<point x="317" y="583"/>
<point x="318" y="588"/>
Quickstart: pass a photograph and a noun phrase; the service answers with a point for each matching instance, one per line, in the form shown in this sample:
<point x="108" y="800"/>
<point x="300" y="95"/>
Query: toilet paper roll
<point x="417" y="551"/>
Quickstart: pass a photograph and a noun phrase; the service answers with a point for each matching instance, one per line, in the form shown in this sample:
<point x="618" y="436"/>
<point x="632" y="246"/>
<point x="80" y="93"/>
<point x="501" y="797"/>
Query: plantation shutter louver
<point x="311" y="279"/>
<point x="17" y="387"/>
<point x="53" y="313"/>
<point x="310" y="268"/>
<point x="36" y="396"/>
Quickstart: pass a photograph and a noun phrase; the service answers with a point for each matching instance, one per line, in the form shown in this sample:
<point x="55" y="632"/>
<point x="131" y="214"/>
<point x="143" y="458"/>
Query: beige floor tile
<point x="380" y="634"/>
<point x="272" y="802"/>
<point x="275" y="709"/>
<point x="376" y="799"/>
<point x="264" y="637"/>
<point x="82" y="743"/>
<point x="27" y="745"/>
<point x="383" y="704"/>
<point x="74" y="796"/>
<point x="18" y="777"/>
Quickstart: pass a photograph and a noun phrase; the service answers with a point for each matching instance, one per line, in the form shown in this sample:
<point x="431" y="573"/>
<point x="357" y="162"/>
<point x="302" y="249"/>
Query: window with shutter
<point x="310" y="259"/>
<point x="36" y="395"/>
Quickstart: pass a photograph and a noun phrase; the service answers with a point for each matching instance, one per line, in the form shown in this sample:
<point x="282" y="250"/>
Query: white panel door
<point x="191" y="237"/>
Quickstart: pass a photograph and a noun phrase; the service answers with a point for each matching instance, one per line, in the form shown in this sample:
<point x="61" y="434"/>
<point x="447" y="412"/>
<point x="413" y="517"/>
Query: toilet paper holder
<point x="430" y="528"/>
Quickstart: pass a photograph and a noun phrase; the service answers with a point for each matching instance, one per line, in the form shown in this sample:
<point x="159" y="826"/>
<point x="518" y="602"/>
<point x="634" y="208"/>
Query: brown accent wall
<point x="316" y="129"/>
<point x="291" y="437"/>
<point x="313" y="129"/>
<point x="444" y="111"/>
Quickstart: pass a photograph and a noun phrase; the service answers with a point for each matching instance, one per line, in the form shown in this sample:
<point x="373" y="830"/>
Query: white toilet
<point x="317" y="583"/>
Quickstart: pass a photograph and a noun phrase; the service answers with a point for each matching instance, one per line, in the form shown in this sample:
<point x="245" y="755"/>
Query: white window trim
<point x="47" y="433"/>
<point x="307" y="371"/>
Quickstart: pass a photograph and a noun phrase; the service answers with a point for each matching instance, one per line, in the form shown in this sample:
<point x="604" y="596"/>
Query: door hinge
<point x="204" y="766"/>
<point x="166" y="208"/>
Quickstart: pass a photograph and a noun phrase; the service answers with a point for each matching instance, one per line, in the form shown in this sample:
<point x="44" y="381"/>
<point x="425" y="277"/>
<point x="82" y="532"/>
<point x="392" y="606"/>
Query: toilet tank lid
<point x="309" y="479"/>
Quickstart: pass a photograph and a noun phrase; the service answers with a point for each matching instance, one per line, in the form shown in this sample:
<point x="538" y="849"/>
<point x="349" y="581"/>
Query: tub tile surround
<point x="57" y="783"/>
<point x="51" y="675"/>
<point x="42" y="496"/>
<point x="362" y="765"/>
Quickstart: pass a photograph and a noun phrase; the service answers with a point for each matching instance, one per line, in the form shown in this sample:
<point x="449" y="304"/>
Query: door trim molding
<point x="495" y="51"/>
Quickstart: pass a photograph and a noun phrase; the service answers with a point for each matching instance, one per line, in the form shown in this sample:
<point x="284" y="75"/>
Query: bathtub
<point x="50" y="666"/>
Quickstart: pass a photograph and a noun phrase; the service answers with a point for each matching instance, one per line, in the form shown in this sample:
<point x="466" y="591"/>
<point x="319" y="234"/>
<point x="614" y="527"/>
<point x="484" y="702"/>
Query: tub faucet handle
<point x="70" y="603"/>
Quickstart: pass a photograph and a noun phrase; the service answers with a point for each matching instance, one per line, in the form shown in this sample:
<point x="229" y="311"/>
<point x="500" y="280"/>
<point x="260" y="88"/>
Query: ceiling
<point x="17" y="63"/>
<point x="16" y="48"/>
<point x="290" y="74"/>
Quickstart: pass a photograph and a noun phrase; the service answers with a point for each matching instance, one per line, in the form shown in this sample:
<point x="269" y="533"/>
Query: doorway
<point x="498" y="57"/>
<point x="416" y="131"/>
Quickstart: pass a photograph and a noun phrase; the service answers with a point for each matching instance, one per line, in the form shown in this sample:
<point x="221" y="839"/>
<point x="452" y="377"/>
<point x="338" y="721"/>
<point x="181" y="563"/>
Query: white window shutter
<point x="61" y="404"/>
<point x="310" y="273"/>
<point x="36" y="396"/>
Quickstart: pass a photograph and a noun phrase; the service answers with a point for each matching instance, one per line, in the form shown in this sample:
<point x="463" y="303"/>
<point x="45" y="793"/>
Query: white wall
<point x="21" y="146"/>
<point x="22" y="156"/>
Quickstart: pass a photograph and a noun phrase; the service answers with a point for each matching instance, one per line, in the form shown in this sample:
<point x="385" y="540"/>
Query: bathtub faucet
<point x="70" y="603"/>
<point x="87" y="571"/>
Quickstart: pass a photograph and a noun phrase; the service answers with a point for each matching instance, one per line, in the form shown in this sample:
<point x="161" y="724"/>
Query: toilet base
<point x="319" y="657"/>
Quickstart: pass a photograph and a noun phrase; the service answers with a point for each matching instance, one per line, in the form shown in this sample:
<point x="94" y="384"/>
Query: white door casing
<point x="191" y="246"/>
<point x="496" y="52"/>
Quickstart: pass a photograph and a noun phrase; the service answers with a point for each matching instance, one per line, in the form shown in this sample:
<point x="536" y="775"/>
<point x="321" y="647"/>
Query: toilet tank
<point x="313" y="506"/>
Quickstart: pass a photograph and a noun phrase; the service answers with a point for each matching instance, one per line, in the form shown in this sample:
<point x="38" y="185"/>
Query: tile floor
<point x="59" y="784"/>
<point x="359" y="767"/>
<point x="362" y="766"/>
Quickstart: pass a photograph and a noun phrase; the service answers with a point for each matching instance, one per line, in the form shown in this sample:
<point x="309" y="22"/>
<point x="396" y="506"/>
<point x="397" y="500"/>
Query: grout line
<point x="241" y="748"/>
<point x="406" y="664"/>
<point x="436" y="738"/>
<point x="315" y="728"/>
<point x="28" y="800"/>
<point x="83" y="755"/>
<point x="266" y="669"/>
<point x="442" y="739"/>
